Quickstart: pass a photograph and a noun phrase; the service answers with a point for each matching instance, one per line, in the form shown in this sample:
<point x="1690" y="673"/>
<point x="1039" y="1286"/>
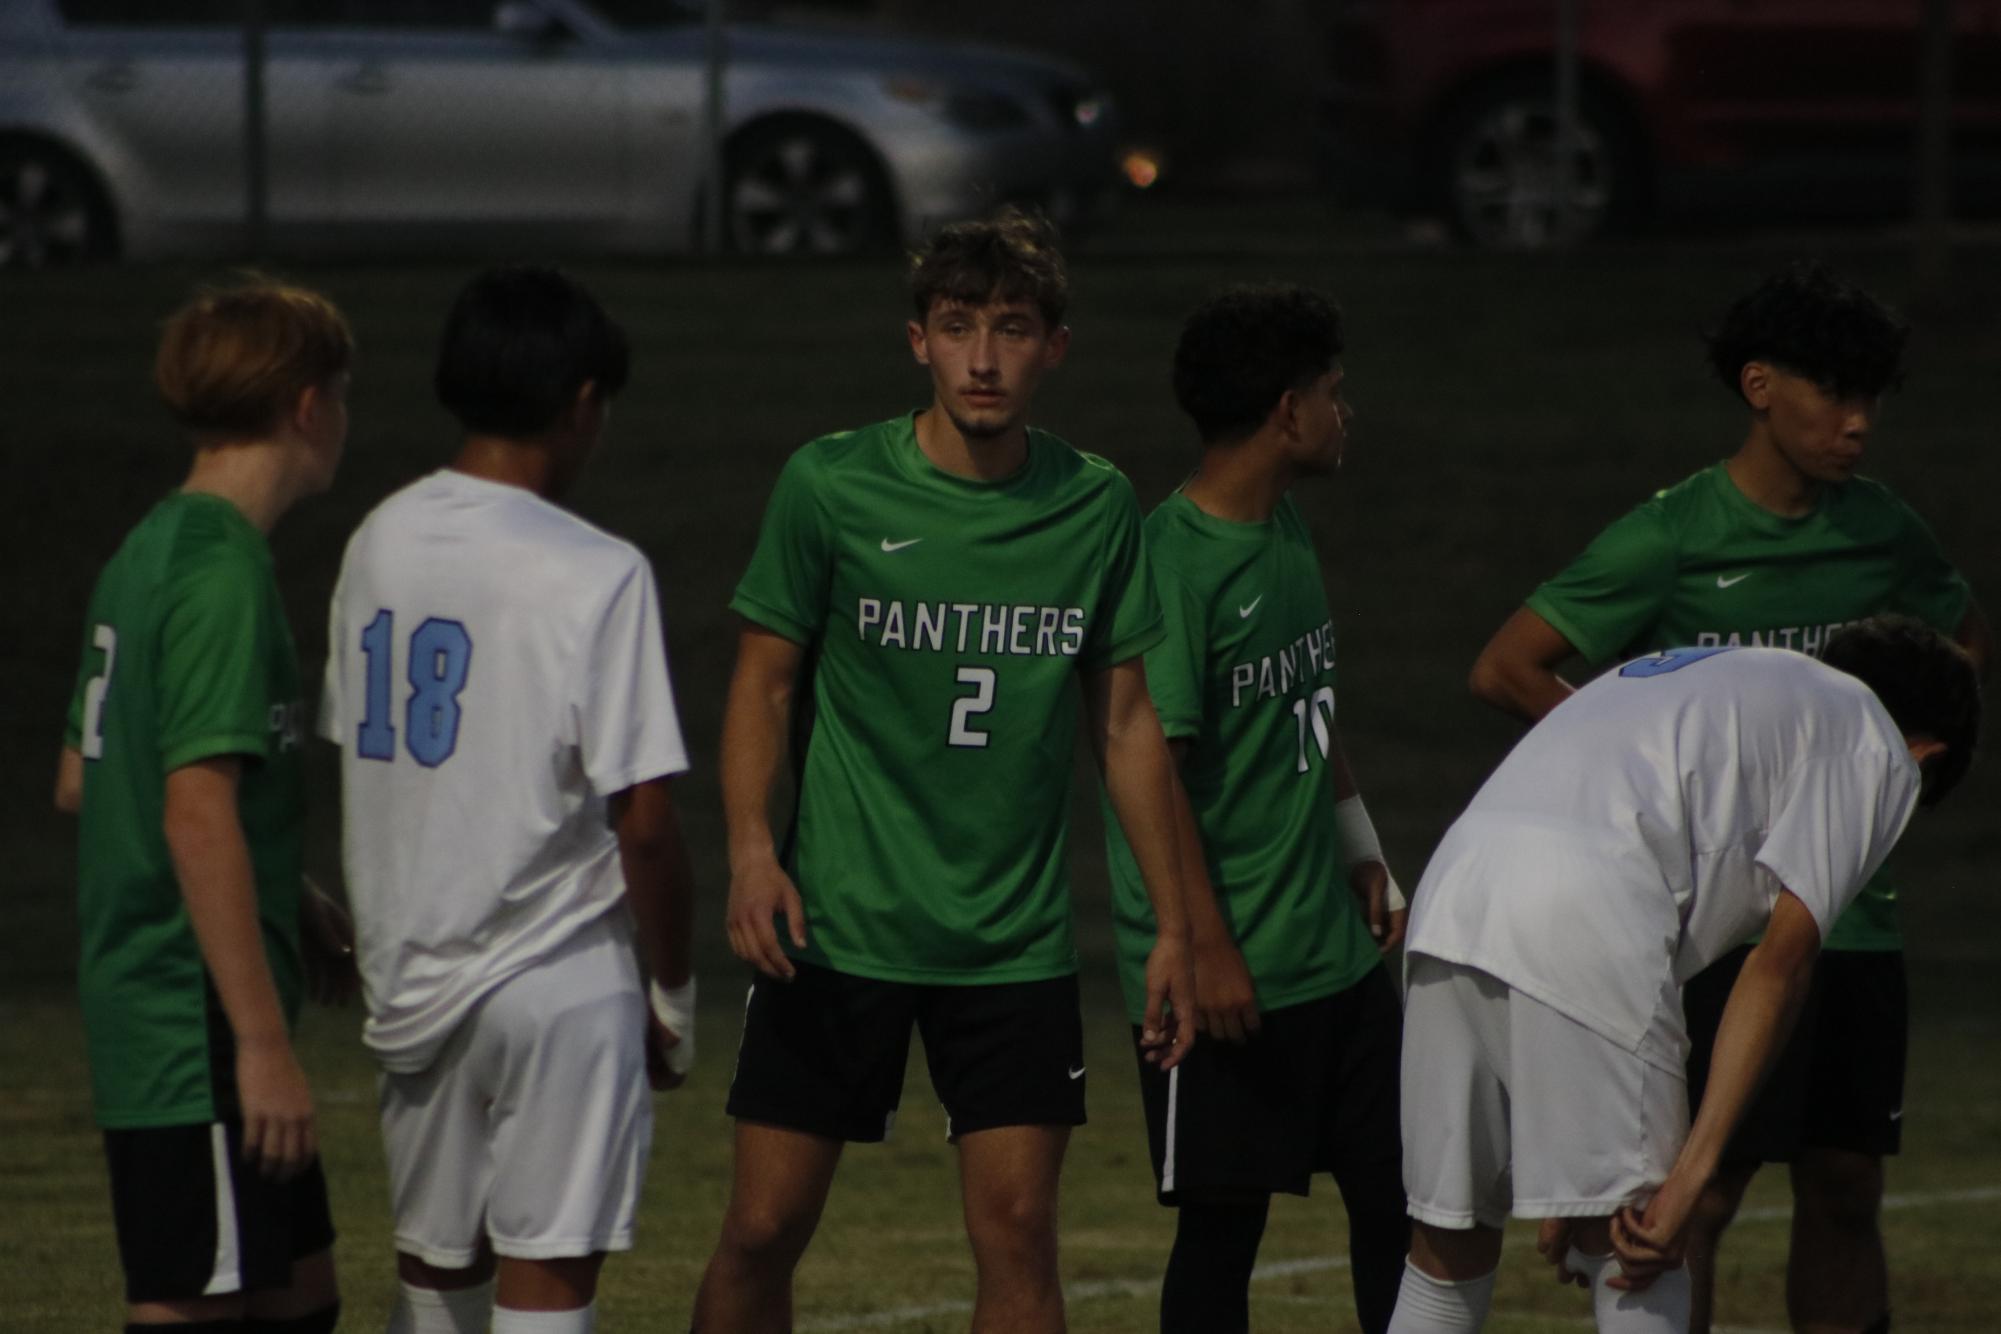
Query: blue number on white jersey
<point x="440" y="658"/>
<point x="1670" y="660"/>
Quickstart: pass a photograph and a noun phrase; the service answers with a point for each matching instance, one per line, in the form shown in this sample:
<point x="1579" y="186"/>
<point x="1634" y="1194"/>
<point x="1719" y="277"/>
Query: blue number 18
<point x="440" y="657"/>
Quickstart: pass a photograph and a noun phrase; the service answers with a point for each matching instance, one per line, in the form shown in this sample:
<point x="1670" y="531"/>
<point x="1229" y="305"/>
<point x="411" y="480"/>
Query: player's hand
<point x="279" y="1134"/>
<point x="759" y="892"/>
<point x="1370" y="883"/>
<point x="660" y="1040"/>
<point x="326" y="947"/>
<point x="1226" y="1004"/>
<point x="1649" y="1241"/>
<point x="1168" y="1030"/>
<point x="1552" y="1242"/>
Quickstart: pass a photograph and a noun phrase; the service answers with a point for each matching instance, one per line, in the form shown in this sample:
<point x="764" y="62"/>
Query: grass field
<point x="1508" y="408"/>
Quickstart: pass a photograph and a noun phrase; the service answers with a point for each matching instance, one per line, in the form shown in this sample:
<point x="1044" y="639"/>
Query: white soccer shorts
<point x="533" y="1126"/>
<point x="1509" y="1105"/>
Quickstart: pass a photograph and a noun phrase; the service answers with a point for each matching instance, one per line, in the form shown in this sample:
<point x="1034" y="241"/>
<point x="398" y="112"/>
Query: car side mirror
<point x="527" y="21"/>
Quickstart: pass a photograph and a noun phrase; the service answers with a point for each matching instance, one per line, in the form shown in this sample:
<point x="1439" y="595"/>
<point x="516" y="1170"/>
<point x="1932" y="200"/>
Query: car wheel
<point x="50" y="210"/>
<point x="1495" y="170"/>
<point x="803" y="188"/>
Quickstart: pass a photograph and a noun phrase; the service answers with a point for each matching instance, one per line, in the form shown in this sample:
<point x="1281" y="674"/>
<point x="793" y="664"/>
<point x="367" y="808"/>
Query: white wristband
<point x="674" y="1007"/>
<point x="1360" y="844"/>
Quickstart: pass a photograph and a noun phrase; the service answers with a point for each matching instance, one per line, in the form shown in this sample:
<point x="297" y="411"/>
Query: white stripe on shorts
<point x="1173" y="1102"/>
<point x="227" y="1273"/>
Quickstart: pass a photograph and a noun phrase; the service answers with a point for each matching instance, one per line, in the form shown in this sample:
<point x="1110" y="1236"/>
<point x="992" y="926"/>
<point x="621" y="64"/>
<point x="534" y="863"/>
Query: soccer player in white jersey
<point x="497" y="681"/>
<point x="1659" y="816"/>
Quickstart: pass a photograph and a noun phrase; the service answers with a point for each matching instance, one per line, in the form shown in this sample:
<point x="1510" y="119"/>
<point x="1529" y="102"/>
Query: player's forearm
<point x="1198" y="894"/>
<point x="753" y="745"/>
<point x="218" y="884"/>
<point x="69" y="781"/>
<point x="1139" y="780"/>
<point x="1516" y="671"/>
<point x="659" y="881"/>
<point x="1757" y="1018"/>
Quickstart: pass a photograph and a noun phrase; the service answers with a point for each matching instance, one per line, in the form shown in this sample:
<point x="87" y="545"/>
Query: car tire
<point x="803" y="187"/>
<point x="1493" y="168"/>
<point x="51" y="212"/>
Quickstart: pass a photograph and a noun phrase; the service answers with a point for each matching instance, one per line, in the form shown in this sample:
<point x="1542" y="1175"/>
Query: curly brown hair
<point x="1011" y="255"/>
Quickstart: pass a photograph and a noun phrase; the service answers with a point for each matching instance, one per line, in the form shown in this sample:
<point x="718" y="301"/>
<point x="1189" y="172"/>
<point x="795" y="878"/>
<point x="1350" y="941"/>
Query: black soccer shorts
<point x="825" y="1053"/>
<point x="1839" y="1082"/>
<point x="195" y="1220"/>
<point x="1316" y="1090"/>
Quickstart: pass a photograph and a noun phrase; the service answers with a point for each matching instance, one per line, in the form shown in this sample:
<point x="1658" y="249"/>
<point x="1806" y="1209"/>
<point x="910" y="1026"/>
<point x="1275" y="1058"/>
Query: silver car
<point x="421" y="124"/>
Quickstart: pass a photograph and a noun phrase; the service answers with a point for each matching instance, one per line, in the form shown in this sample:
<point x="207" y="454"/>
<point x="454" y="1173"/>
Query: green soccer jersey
<point x="946" y="622"/>
<point x="1700" y="564"/>
<point x="186" y="657"/>
<point x="1246" y="676"/>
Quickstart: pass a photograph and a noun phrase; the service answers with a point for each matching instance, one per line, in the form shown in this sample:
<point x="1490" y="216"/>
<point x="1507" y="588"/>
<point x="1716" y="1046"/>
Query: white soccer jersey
<point x="496" y="671"/>
<point x="1646" y="826"/>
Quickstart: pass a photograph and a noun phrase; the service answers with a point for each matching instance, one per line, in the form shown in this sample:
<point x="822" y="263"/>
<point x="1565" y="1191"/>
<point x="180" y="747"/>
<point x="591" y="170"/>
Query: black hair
<point x="519" y="343"/>
<point x="1809" y="320"/>
<point x="1926" y="683"/>
<point x="1011" y="256"/>
<point x="1244" y="347"/>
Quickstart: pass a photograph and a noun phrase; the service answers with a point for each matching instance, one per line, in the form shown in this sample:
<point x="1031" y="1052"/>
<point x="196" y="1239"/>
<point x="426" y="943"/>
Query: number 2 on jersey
<point x="969" y="706"/>
<point x="106" y="638"/>
<point x="440" y="657"/>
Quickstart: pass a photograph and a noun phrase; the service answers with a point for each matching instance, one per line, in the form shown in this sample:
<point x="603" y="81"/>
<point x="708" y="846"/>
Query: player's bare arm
<point x="1225" y="998"/>
<point x="1516" y="671"/>
<point x="212" y="863"/>
<point x="1139" y="779"/>
<point x="660" y="891"/>
<point x="754" y="726"/>
<point x="1976" y="636"/>
<point x="326" y="946"/>
<point x="1756" y="1021"/>
<point x="1369" y="878"/>
<point x="69" y="781"/>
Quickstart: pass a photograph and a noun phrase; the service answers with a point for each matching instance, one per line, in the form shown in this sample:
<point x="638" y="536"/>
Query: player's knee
<point x="1017" y="1226"/>
<point x="764" y="1236"/>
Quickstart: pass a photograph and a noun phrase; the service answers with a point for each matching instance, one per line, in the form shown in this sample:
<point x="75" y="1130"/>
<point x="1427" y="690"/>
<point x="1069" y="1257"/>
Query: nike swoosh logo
<point x="1244" y="613"/>
<point x="1078" y="1073"/>
<point x="888" y="545"/>
<point x="1721" y="582"/>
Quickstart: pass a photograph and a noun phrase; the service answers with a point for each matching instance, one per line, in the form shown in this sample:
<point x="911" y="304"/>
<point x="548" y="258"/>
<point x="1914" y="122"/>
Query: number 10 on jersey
<point x="440" y="657"/>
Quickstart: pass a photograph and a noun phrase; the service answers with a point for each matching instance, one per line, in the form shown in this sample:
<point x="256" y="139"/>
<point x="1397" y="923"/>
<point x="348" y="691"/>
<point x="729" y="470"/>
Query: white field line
<point x="1277" y="1269"/>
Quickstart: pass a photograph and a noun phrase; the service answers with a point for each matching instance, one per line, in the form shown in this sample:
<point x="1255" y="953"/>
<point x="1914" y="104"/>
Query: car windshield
<point x="650" y="13"/>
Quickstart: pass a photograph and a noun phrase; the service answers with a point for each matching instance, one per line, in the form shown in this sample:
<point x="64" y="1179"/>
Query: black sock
<point x="1207" y="1289"/>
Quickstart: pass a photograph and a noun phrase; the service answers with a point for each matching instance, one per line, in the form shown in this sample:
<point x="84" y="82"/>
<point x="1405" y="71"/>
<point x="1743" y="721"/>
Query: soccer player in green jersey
<point x="1778" y="546"/>
<point x="182" y="757"/>
<point x="1288" y="899"/>
<point x="937" y="587"/>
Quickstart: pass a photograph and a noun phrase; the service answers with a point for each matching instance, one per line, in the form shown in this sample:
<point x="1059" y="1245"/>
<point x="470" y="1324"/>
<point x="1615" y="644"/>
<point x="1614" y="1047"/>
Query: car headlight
<point x="979" y="109"/>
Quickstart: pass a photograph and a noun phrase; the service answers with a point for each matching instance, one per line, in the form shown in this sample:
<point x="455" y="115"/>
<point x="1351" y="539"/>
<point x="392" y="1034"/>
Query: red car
<point x="1447" y="107"/>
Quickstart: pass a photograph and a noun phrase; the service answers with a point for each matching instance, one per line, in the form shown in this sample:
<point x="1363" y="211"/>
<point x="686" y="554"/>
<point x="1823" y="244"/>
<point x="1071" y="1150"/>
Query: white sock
<point x="580" y="1321"/>
<point x="431" y="1311"/>
<point x="1659" y="1308"/>
<point x="1427" y="1305"/>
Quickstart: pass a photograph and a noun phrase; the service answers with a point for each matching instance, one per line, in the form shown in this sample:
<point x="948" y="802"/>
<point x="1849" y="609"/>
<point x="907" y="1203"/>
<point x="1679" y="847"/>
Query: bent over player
<point x="1652" y="821"/>
<point x="182" y="753"/>
<point x="1779" y="545"/>
<point x="936" y="587"/>
<point x="1302" y="1073"/>
<point x="497" y="682"/>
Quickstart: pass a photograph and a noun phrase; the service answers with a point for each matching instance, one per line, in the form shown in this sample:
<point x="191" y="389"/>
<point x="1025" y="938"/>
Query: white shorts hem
<point x="1571" y="1208"/>
<point x="438" y="1257"/>
<point x="1454" y="1220"/>
<point x="561" y="1249"/>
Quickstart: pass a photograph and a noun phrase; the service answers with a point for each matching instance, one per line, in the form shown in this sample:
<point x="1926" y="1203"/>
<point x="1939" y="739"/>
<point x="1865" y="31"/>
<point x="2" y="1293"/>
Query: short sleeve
<point x="1604" y="601"/>
<point x="786" y="587"/>
<point x="213" y="685"/>
<point x="1930" y="589"/>
<point x="1176" y="665"/>
<point x="1128" y="620"/>
<point x="627" y="725"/>
<point x="1834" y="822"/>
